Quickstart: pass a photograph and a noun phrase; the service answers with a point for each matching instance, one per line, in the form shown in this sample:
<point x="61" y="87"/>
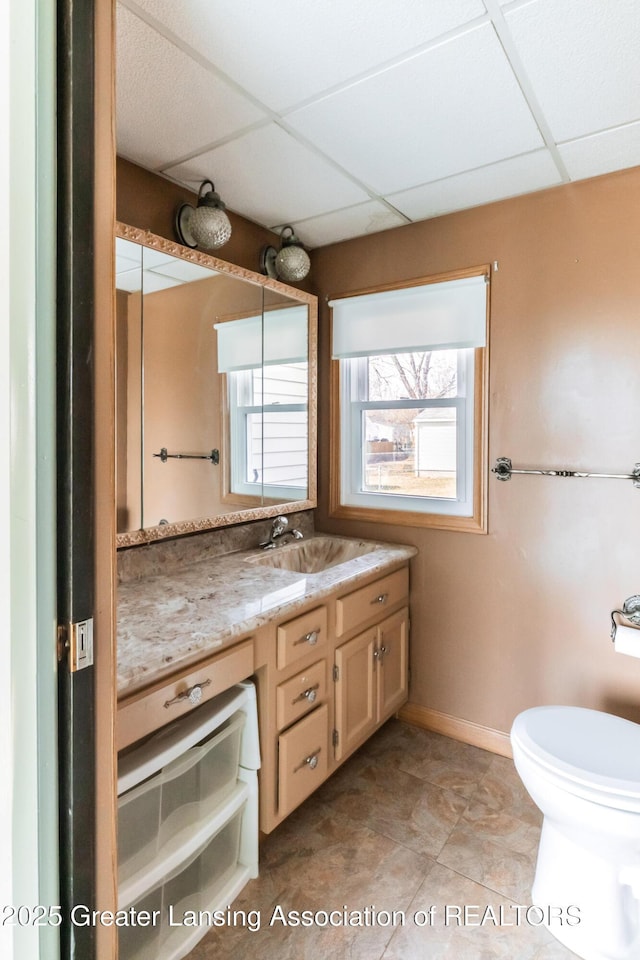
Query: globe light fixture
<point x="206" y="225"/>
<point x="290" y="263"/>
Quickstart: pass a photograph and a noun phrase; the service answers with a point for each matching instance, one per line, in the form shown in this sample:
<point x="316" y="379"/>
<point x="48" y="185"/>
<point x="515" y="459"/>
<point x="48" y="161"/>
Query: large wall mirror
<point x="216" y="392"/>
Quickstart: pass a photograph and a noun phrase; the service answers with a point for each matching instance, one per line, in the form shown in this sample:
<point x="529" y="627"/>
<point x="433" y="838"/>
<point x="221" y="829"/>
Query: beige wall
<point x="521" y="616"/>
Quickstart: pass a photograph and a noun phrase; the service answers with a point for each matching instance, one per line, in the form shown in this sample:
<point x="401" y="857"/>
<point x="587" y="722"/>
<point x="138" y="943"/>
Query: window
<point x="408" y="394"/>
<point x="268" y="430"/>
<point x="265" y="361"/>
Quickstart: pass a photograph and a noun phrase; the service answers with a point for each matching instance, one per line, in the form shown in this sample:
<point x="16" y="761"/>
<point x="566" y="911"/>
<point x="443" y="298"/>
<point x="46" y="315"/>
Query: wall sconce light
<point x="206" y="225"/>
<point x="291" y="262"/>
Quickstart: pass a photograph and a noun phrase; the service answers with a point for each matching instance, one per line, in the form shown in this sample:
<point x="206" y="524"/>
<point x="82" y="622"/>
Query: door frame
<point x="86" y="471"/>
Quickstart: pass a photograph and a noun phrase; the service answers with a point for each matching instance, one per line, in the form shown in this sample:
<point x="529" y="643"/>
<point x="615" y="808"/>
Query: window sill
<point x="406" y="518"/>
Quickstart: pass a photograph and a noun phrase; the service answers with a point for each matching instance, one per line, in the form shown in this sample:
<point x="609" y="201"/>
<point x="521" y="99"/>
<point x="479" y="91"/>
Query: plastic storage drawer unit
<point x="159" y="812"/>
<point x="188" y="822"/>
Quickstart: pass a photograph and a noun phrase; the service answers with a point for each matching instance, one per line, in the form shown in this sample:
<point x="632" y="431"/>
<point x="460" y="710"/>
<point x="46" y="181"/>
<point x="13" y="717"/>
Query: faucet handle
<point x="278" y="526"/>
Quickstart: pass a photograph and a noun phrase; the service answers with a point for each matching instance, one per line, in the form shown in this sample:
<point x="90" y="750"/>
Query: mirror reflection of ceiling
<point x="141" y="268"/>
<point x="346" y="117"/>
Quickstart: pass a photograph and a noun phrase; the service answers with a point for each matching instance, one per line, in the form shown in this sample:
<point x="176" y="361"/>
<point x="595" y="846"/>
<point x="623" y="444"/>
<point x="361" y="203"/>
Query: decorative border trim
<point x="134" y="538"/>
<point x="474" y="734"/>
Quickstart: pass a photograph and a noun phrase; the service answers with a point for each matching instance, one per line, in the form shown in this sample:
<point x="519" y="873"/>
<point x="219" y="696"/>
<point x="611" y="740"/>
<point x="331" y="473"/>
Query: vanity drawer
<point x="360" y="606"/>
<point x="303" y="754"/>
<point x="298" y="637"/>
<point x="151" y="709"/>
<point x="297" y="696"/>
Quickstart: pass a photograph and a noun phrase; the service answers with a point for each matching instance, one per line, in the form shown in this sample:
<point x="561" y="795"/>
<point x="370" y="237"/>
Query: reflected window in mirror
<point x="267" y="372"/>
<point x="268" y="427"/>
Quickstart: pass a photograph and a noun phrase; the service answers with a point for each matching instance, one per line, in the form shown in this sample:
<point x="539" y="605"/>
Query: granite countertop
<point x="168" y="621"/>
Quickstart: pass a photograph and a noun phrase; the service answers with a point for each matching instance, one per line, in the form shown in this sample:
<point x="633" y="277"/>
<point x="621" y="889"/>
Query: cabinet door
<point x="355" y="691"/>
<point x="392" y="673"/>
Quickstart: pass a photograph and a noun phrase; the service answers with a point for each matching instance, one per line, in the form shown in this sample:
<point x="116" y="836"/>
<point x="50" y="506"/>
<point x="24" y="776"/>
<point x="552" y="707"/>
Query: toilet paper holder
<point x="630" y="611"/>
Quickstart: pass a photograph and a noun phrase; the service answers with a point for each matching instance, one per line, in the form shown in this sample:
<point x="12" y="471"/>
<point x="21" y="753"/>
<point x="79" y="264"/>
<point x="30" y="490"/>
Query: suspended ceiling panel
<point x="345" y="117"/>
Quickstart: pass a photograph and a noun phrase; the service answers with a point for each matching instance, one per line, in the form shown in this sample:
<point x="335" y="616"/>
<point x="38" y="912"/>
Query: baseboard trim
<point x="473" y="733"/>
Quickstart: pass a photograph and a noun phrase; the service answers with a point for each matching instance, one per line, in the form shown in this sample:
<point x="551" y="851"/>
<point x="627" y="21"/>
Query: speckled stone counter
<point x="168" y="621"/>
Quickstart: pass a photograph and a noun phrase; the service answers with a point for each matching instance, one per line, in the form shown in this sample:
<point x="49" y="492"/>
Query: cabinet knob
<point x="381" y="598"/>
<point x="193" y="694"/>
<point x="310" y="762"/>
<point x="310" y="638"/>
<point x="309" y="694"/>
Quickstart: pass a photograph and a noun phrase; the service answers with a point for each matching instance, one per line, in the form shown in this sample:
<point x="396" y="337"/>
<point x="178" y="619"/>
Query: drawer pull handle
<point x="381" y="598"/>
<point x="193" y="694"/>
<point x="309" y="694"/>
<point x="310" y="638"/>
<point x="310" y="762"/>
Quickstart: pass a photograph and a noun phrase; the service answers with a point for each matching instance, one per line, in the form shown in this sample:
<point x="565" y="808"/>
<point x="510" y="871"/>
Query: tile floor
<point x="413" y="821"/>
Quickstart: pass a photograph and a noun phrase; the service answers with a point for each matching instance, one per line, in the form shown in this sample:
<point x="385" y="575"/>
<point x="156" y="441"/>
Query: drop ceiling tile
<point x="370" y="217"/>
<point x="583" y="61"/>
<point x="128" y="280"/>
<point x="602" y="152"/>
<point x="125" y="264"/>
<point x="167" y="104"/>
<point x="509" y="178"/>
<point x="155" y="258"/>
<point x="453" y="108"/>
<point x="268" y="176"/>
<point x="285" y="55"/>
<point x="127" y="251"/>
<point x="184" y="271"/>
<point x="154" y="282"/>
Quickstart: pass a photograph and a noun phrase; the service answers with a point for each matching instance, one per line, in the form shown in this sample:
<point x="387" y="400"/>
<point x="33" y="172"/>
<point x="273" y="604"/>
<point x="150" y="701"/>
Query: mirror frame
<point x="165" y="531"/>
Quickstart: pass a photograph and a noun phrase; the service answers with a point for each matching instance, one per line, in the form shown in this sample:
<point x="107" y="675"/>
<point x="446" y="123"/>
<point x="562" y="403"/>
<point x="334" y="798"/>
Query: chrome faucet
<point x="279" y="532"/>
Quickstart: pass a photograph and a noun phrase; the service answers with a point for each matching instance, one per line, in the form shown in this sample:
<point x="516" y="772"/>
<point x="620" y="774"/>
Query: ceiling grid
<point x="352" y="116"/>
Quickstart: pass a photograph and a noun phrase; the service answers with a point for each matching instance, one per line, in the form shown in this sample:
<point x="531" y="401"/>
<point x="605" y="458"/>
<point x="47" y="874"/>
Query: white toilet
<point x="582" y="769"/>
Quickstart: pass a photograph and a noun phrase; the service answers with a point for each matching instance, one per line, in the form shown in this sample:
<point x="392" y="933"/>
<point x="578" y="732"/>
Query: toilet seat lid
<point x="590" y="748"/>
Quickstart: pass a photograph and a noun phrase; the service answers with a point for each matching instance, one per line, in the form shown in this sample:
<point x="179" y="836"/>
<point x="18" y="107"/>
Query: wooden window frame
<point x="477" y="522"/>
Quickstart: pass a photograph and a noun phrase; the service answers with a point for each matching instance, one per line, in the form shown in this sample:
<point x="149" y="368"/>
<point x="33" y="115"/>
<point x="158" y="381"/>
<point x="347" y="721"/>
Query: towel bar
<point x="504" y="470"/>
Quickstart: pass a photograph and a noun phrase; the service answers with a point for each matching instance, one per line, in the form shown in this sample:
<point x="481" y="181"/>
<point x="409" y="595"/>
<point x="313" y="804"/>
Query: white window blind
<point x="279" y="336"/>
<point x="447" y="315"/>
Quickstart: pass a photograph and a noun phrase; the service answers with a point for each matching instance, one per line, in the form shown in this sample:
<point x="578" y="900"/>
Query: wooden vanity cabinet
<point x="327" y="679"/>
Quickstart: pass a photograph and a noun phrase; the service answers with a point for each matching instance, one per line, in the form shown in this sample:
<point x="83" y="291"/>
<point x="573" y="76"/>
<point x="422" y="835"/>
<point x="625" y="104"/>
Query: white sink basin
<point x="314" y="555"/>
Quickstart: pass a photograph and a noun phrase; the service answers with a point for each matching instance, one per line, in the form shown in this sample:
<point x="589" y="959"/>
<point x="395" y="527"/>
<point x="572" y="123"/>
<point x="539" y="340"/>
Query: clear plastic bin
<point x="160" y="811"/>
<point x="142" y="942"/>
<point x="200" y="883"/>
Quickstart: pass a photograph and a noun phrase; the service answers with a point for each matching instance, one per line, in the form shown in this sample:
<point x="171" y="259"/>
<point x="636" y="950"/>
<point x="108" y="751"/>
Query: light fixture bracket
<point x="268" y="262"/>
<point x="183" y="219"/>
